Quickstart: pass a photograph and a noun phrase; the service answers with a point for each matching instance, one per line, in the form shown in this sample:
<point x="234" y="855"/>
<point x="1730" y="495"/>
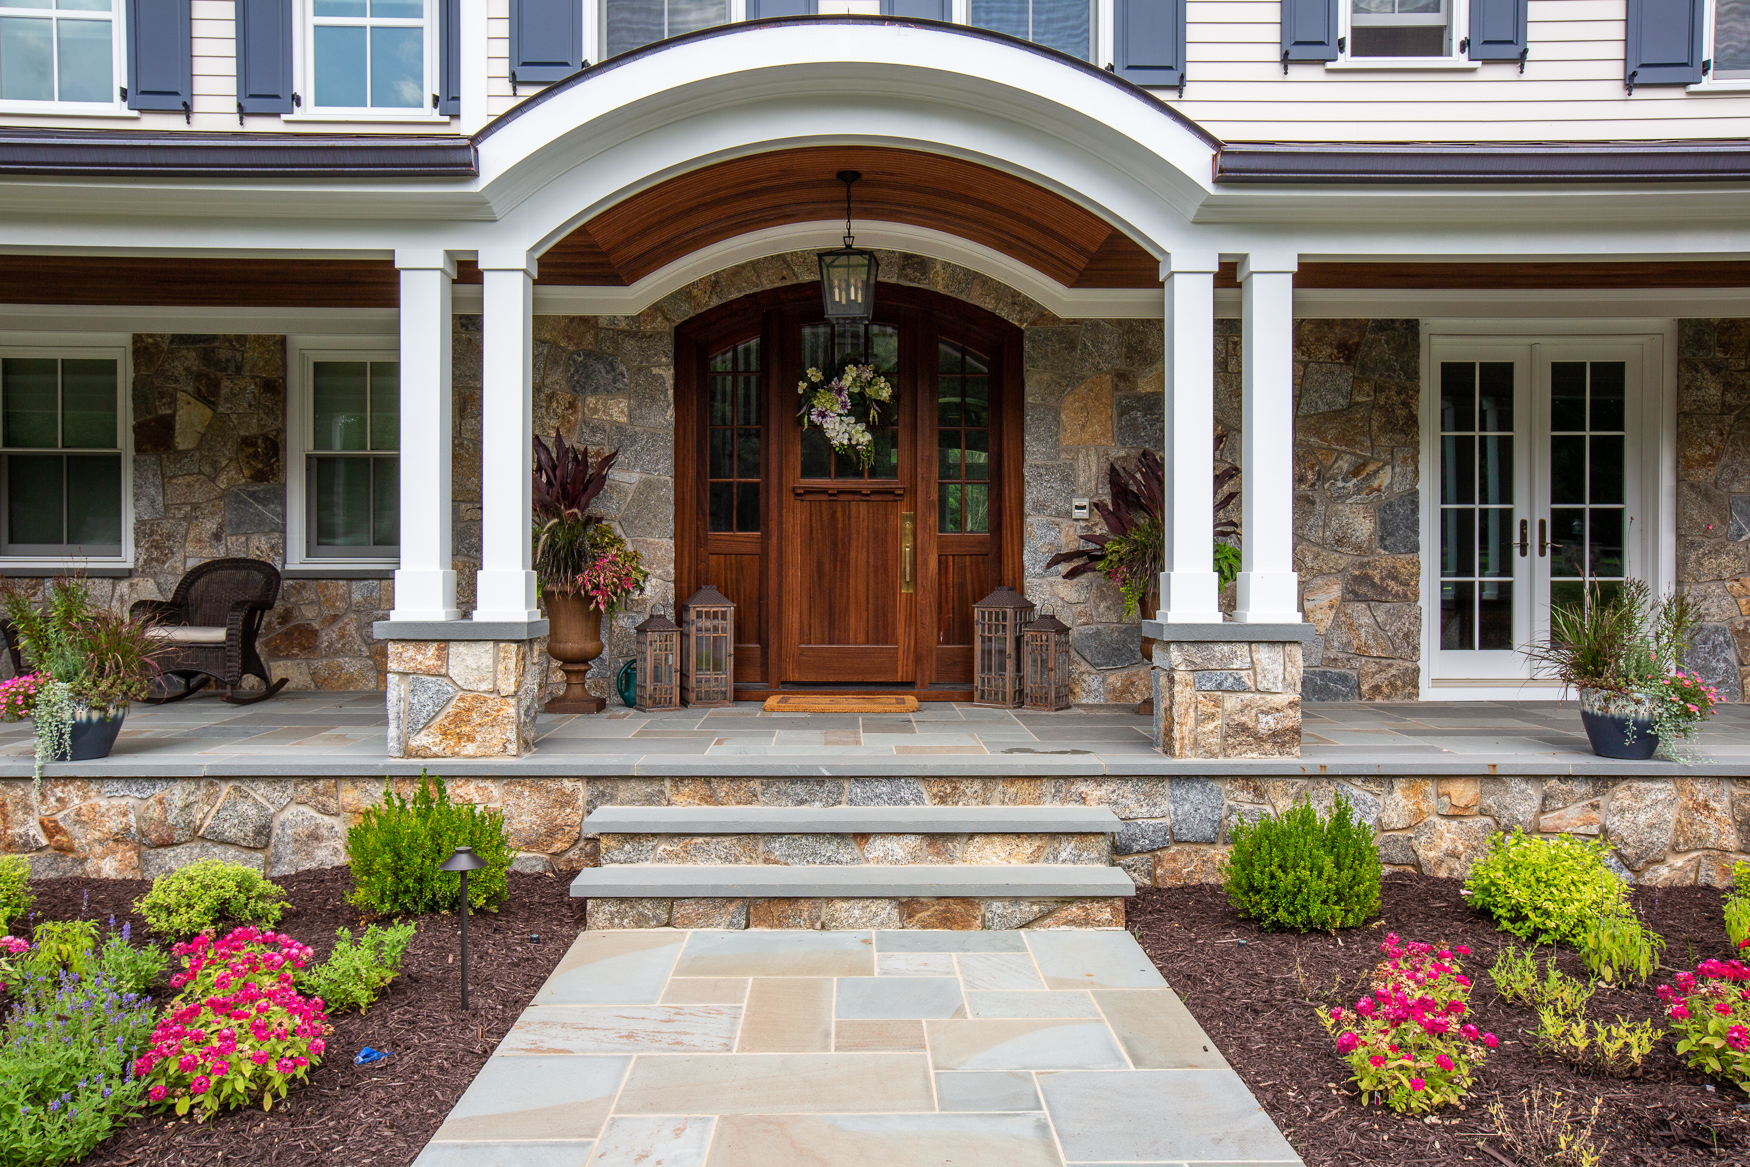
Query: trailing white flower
<point x="52" y="720"/>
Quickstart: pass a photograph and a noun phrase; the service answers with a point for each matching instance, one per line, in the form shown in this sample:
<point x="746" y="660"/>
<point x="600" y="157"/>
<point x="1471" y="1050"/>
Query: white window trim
<point x="301" y="353"/>
<point x="115" y="106"/>
<point x="304" y="69"/>
<point x="1454" y="61"/>
<point x="83" y="345"/>
<point x="1712" y="85"/>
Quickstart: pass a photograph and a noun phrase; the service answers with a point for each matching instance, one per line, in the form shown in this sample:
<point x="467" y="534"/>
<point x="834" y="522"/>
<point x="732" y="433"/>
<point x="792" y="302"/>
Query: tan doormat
<point x="836" y="703"/>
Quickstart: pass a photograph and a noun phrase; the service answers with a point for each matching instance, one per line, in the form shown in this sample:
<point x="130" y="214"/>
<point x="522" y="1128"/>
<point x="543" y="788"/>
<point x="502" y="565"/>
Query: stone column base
<point x="1227" y="698"/>
<point x="464" y="698"/>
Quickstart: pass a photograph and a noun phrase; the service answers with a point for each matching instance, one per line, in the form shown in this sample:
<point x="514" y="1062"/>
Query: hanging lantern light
<point x="708" y="648"/>
<point x="657" y="645"/>
<point x="847" y="276"/>
<point x="997" y="621"/>
<point x="1047" y="653"/>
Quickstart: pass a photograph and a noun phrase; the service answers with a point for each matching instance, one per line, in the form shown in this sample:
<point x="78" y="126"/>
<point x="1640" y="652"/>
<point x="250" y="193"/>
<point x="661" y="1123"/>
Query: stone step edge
<point x="1020" y="881"/>
<point x="851" y="820"/>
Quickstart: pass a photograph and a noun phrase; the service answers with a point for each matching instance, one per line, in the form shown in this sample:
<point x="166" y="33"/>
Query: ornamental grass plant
<point x="1547" y="891"/>
<point x="1304" y="871"/>
<point x="1409" y="1045"/>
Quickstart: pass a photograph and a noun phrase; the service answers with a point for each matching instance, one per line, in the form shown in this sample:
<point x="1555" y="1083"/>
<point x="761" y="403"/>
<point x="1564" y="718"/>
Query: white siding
<point x="1572" y="88"/>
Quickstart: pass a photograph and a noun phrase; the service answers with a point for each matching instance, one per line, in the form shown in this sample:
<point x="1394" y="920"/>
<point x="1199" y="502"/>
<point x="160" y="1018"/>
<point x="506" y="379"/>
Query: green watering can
<point x="626" y="683"/>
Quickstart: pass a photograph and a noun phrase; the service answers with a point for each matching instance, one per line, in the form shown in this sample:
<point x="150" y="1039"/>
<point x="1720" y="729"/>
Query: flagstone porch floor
<point x="342" y="734"/>
<point x="856" y="1049"/>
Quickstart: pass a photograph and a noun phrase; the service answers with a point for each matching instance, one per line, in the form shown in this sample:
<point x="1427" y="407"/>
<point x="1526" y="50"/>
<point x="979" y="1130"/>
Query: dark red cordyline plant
<point x="565" y="480"/>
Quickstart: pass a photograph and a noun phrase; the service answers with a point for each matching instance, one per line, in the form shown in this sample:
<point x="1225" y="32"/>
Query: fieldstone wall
<point x="1357" y="506"/>
<point x="1227" y="699"/>
<point x="1666" y="831"/>
<point x="1713" y="495"/>
<point x="464" y="698"/>
<point x="955" y="914"/>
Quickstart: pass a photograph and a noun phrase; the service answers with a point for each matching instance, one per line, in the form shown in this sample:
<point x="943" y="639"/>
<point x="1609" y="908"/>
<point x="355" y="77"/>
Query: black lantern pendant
<point x="847" y="276"/>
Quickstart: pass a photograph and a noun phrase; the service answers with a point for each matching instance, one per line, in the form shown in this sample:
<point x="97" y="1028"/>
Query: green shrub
<point x="1617" y="1049"/>
<point x="15" y="895"/>
<point x="1738" y="905"/>
<point x="1515" y="977"/>
<point x="131" y="970"/>
<point x="1304" y="871"/>
<point x="354" y="975"/>
<point x="1546" y="891"/>
<point x="206" y="893"/>
<point x="396" y="848"/>
<point x="57" y="947"/>
<point x="1617" y="945"/>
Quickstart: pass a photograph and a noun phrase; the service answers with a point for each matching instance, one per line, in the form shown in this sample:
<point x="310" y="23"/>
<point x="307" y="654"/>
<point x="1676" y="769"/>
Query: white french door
<point x="1534" y="497"/>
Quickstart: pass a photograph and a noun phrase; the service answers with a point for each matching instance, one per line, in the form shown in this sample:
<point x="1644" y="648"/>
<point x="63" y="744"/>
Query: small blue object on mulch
<point x="368" y="1055"/>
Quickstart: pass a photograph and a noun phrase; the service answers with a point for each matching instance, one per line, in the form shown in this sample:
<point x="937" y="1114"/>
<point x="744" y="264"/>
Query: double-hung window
<point x="60" y="454"/>
<point x="629" y="24"/>
<point x="1731" y="41"/>
<point x="1064" y="25"/>
<point x="1400" y="28"/>
<point x="350" y="406"/>
<point x="370" y="54"/>
<point x="61" y="51"/>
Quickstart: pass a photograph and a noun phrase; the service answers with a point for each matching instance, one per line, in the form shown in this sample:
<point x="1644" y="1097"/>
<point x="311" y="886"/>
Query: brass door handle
<point x="1543" y="543"/>
<point x="1524" y="537"/>
<point x="907" y="552"/>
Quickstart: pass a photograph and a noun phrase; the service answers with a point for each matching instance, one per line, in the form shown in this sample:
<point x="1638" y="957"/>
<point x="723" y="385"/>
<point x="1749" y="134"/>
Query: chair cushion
<point x="188" y="633"/>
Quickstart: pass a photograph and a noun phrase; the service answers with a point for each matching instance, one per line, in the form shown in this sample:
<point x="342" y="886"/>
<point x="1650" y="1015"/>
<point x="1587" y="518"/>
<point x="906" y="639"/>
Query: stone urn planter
<point x="574" y="640"/>
<point x="1614" y="727"/>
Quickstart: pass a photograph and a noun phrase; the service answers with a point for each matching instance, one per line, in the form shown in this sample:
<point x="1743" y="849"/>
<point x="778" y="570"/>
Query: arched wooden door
<point x="846" y="576"/>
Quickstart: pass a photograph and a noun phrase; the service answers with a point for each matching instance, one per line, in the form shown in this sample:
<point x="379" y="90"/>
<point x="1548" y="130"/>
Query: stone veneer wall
<point x="1666" y="831"/>
<point x="1357" y="389"/>
<point x="1713" y="495"/>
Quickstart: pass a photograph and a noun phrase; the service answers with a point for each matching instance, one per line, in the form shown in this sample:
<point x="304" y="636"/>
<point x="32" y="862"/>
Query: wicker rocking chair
<point x="212" y="622"/>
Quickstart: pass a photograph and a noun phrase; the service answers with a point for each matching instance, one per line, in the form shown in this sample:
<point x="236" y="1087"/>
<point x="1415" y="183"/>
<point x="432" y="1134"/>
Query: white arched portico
<point x="615" y="134"/>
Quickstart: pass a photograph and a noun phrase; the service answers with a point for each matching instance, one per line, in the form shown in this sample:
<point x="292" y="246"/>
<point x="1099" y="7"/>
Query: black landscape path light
<point x="463" y="861"/>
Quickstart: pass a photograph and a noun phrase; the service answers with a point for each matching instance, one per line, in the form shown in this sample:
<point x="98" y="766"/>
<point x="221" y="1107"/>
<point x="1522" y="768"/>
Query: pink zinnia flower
<point x="1679" y="1012"/>
<point x="284" y="1066"/>
<point x="199" y="1085"/>
<point x="1416" y="1084"/>
<point x="1723" y="1009"/>
<point x="1490" y="1040"/>
<point x="1444" y="1062"/>
<point x="1471" y="1033"/>
<point x="1347" y="1043"/>
<point x="156" y="1093"/>
<point x="1376" y="1061"/>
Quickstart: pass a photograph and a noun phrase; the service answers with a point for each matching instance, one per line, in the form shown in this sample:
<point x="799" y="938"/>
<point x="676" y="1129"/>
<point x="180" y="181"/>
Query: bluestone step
<point x="1018" y="880"/>
<point x="851" y="820"/>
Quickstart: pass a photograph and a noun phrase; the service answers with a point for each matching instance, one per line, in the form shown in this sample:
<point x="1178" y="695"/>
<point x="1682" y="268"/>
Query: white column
<point x="1268" y="588"/>
<point x="425" y="585"/>
<point x="1188" y="585"/>
<point x="506" y="587"/>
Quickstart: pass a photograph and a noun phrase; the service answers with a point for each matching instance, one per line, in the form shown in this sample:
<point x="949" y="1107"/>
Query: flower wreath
<point x="827" y="404"/>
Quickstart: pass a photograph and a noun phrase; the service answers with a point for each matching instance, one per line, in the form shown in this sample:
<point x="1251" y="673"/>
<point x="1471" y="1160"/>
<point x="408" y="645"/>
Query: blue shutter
<point x="1149" y="40"/>
<point x="449" y="85"/>
<point x="917" y="9"/>
<point x="1498" y="30"/>
<point x="1309" y="30"/>
<point x="160" y="55"/>
<point x="761" y="9"/>
<point x="546" y="40"/>
<point x="264" y="56"/>
<point x="1664" y="42"/>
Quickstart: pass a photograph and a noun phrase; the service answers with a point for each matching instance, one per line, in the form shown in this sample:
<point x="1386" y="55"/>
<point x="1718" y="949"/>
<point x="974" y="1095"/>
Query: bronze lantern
<point x="847" y="275"/>
<point x="708" y="648"/>
<point x="1047" y="656"/>
<point x="657" y="652"/>
<point x="997" y="624"/>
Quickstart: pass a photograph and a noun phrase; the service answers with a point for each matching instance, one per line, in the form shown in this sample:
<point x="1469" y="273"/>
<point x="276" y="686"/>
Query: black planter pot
<point x="1609" y="733"/>
<point x="93" y="735"/>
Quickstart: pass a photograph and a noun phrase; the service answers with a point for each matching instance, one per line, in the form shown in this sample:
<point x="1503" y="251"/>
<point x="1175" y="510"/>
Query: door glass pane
<point x="88" y="404"/>
<point x="747" y="506"/>
<point x="949" y="449"/>
<point x="1458" y="541"/>
<point x="1458" y="468"/>
<point x="831" y="348"/>
<point x="33" y="499"/>
<point x="977" y="454"/>
<point x="721" y="460"/>
<point x="86" y="61"/>
<point x="1567" y="468"/>
<point x="1458" y="396"/>
<point x="1495" y="614"/>
<point x="94" y="500"/>
<point x="1567" y="534"/>
<point x="816" y="455"/>
<point x="1495" y="546"/>
<point x="747" y="462"/>
<point x="1458" y="628"/>
<point x="722" y="506"/>
<point x="1607" y="396"/>
<point x="343" y="502"/>
<point x="977" y="508"/>
<point x="1587" y="479"/>
<point x="733" y="438"/>
<point x="1567" y="396"/>
<point x="963" y="441"/>
<point x="1495" y="397"/>
<point x="28" y="393"/>
<point x="342" y="401"/>
<point x="720" y="396"/>
<point x="1479" y="525"/>
<point x="1605" y="472"/>
<point x="1495" y="474"/>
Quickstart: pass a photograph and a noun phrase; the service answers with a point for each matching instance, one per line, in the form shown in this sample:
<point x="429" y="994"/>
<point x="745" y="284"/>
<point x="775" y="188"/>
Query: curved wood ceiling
<point x="675" y="218"/>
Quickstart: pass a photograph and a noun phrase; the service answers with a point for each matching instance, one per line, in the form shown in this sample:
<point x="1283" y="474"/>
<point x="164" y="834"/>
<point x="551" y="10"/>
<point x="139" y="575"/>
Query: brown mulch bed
<point x="382" y="1114"/>
<point x="1255" y="993"/>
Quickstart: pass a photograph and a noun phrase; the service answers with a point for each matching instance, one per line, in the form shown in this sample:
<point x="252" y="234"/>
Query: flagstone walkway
<point x="670" y="1048"/>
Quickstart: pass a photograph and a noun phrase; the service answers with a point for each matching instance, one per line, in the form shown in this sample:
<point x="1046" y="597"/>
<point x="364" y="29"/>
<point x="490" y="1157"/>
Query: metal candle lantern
<point x="658" y="649"/>
<point x="708" y="648"/>
<point x="1047" y="656"/>
<point x="847" y="276"/>
<point x="463" y="861"/>
<point x="997" y="621"/>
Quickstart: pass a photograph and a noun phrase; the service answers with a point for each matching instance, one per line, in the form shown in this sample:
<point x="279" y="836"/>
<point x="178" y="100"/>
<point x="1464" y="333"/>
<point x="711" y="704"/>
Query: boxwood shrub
<point x="1303" y="870"/>
<point x="395" y="850"/>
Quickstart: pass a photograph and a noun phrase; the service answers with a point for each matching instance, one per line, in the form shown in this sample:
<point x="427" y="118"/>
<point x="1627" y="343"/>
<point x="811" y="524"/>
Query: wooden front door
<point x="849" y="576"/>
